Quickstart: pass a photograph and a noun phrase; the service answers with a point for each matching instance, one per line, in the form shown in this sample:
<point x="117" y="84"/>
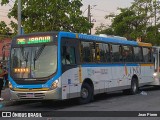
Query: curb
<point x="6" y="95"/>
<point x="6" y="103"/>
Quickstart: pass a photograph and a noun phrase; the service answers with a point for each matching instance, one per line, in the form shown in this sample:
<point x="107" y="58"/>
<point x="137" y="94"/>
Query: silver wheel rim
<point x="84" y="93"/>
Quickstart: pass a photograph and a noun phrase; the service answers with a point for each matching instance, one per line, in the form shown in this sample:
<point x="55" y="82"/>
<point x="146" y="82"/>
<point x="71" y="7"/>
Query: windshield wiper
<point x="38" y="53"/>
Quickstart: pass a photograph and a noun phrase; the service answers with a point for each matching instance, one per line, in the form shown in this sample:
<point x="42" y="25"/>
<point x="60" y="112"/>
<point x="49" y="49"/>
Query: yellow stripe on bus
<point x="76" y="35"/>
<point x="144" y="44"/>
<point x="30" y="90"/>
<point x="80" y="74"/>
<point x="147" y="64"/>
<point x="126" y="70"/>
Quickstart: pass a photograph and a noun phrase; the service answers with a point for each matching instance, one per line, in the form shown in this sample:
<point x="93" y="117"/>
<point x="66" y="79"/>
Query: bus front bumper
<point x="36" y="95"/>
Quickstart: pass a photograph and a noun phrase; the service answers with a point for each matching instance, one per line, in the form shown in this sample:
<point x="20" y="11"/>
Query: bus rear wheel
<point x="86" y="94"/>
<point x="134" y="86"/>
<point x="133" y="89"/>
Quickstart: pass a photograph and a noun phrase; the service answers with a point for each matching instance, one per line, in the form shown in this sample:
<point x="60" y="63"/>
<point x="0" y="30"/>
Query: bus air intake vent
<point x="31" y="96"/>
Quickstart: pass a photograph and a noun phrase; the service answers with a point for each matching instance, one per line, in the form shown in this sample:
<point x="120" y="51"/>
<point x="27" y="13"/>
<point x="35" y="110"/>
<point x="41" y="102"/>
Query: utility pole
<point x="155" y="12"/>
<point x="89" y="17"/>
<point x="19" y="17"/>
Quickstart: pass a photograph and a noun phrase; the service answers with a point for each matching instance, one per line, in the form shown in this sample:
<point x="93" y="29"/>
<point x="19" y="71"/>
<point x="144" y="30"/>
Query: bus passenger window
<point x="147" y="54"/>
<point x="138" y="54"/>
<point x="98" y="52"/>
<point x="116" y="53"/>
<point x="88" y="52"/>
<point x="102" y="52"/>
<point x="127" y="54"/>
<point x="107" y="52"/>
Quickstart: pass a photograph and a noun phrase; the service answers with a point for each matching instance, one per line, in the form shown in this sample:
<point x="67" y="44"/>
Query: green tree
<point x="50" y="15"/>
<point x="3" y="28"/>
<point x="102" y="29"/>
<point x="139" y="20"/>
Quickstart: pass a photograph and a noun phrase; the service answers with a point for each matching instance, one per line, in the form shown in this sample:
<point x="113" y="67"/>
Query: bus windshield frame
<point x="34" y="61"/>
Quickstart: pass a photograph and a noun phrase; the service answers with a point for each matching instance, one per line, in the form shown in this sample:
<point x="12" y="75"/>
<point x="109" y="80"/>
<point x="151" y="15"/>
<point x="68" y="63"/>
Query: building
<point x="4" y="48"/>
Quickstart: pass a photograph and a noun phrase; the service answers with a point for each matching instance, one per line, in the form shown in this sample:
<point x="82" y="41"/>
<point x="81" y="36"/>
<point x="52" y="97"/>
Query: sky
<point x="99" y="9"/>
<point x="103" y="8"/>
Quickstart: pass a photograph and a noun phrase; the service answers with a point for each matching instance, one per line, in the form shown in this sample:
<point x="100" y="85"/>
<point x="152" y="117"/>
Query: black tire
<point x="86" y="94"/>
<point x="134" y="86"/>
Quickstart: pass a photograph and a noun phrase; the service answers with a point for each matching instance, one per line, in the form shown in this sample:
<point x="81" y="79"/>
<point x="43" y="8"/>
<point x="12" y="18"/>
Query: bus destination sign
<point x="34" y="40"/>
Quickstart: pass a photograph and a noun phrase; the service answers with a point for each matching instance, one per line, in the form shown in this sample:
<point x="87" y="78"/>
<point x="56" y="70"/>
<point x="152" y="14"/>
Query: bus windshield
<point x="33" y="61"/>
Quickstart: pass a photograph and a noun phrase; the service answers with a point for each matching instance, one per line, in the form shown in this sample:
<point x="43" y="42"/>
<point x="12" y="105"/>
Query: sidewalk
<point x="6" y="96"/>
<point x="7" y="101"/>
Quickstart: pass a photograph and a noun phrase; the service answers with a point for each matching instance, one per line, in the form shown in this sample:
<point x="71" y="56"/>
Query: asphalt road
<point x="116" y="101"/>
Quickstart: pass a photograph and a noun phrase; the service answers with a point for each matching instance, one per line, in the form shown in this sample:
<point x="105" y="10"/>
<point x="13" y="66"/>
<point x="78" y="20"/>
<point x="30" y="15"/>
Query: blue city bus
<point x="63" y="65"/>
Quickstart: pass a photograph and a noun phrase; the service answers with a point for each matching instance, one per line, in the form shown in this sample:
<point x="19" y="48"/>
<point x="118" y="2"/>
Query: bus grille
<point x="31" y="96"/>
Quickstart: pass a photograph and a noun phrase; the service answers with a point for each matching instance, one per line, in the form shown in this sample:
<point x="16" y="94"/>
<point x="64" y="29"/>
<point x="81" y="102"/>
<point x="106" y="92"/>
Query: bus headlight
<point x="10" y="86"/>
<point x="54" y="84"/>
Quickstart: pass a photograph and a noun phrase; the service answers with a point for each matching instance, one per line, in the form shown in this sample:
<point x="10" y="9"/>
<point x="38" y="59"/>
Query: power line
<point x="12" y="1"/>
<point x="102" y="10"/>
<point x="10" y="5"/>
<point x="98" y="16"/>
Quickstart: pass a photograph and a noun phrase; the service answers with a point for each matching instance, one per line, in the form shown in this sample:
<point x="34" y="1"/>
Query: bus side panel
<point x="100" y="76"/>
<point x="106" y="79"/>
<point x="70" y="81"/>
<point x="119" y="80"/>
<point x="127" y="76"/>
<point x="147" y="73"/>
<point x="133" y="70"/>
<point x="130" y="71"/>
<point x="117" y="73"/>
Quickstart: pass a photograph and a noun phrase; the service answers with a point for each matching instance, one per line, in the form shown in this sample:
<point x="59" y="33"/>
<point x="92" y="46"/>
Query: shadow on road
<point x="150" y="88"/>
<point x="57" y="105"/>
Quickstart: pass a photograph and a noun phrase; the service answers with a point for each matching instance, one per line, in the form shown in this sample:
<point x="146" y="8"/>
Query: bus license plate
<point x="30" y="95"/>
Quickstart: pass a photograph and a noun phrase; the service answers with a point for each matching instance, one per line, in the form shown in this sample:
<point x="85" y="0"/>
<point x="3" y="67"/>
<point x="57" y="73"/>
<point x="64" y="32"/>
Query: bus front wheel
<point x="86" y="94"/>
